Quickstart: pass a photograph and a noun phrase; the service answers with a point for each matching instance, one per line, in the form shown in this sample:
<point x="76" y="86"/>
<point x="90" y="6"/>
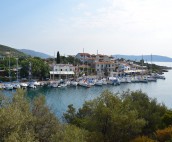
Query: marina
<point x="58" y="97"/>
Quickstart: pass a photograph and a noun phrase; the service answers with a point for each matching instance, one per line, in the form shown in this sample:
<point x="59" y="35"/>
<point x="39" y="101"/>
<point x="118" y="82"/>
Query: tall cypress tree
<point x="58" y="58"/>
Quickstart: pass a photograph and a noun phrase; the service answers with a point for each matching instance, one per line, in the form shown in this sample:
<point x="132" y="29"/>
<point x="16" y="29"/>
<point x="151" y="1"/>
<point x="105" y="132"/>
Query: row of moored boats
<point x="83" y="81"/>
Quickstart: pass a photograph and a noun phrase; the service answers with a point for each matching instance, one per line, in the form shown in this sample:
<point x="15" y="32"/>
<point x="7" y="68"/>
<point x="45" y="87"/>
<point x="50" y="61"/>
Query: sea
<point x="58" y="99"/>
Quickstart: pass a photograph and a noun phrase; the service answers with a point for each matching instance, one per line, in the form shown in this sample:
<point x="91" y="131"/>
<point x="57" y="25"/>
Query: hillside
<point x="34" y="53"/>
<point x="155" y="58"/>
<point x="5" y="50"/>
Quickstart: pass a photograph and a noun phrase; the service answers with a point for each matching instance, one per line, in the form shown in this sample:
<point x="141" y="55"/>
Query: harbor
<point x="58" y="98"/>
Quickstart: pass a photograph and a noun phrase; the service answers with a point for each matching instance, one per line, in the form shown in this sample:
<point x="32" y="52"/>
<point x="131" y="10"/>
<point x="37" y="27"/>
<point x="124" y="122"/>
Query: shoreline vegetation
<point x="127" y="117"/>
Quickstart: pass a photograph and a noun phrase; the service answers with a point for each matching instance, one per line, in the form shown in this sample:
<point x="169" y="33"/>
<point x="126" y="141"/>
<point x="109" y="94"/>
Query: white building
<point x="102" y="67"/>
<point x="61" y="70"/>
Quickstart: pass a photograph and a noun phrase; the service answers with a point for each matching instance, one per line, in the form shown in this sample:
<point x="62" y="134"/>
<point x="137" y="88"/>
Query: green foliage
<point x="58" y="58"/>
<point x="70" y="60"/>
<point x="71" y="133"/>
<point x="167" y="118"/>
<point x="4" y="49"/>
<point x="109" y="116"/>
<point x="40" y="69"/>
<point x="22" y="121"/>
<point x="147" y="108"/>
<point x="25" y="121"/>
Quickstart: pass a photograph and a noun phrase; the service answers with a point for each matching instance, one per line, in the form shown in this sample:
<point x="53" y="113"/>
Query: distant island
<point x="155" y="58"/>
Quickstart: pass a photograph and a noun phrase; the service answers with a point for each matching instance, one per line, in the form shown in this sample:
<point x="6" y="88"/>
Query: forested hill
<point x="34" y="53"/>
<point x="5" y="50"/>
<point x="155" y="58"/>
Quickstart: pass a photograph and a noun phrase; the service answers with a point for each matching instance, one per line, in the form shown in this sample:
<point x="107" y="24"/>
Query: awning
<point x="62" y="72"/>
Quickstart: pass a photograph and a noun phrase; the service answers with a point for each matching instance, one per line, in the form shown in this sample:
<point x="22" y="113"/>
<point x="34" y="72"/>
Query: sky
<point x="131" y="27"/>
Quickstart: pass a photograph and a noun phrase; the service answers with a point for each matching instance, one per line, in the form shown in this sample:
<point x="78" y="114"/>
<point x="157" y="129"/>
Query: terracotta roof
<point x="84" y="54"/>
<point x="104" y="62"/>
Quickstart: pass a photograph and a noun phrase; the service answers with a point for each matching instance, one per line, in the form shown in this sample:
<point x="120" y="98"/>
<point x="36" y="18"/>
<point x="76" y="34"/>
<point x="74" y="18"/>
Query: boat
<point x="113" y="81"/>
<point x="74" y="83"/>
<point x="99" y="83"/>
<point x="2" y="86"/>
<point x="84" y="83"/>
<point x="16" y="86"/>
<point x="151" y="78"/>
<point x="31" y="85"/>
<point x="63" y="85"/>
<point x="125" y="80"/>
<point x="36" y="83"/>
<point x="54" y="84"/>
<point x="91" y="82"/>
<point x="104" y="82"/>
<point x="143" y="80"/>
<point x="23" y="85"/>
<point x="8" y="86"/>
<point x="158" y="76"/>
<point x="68" y="83"/>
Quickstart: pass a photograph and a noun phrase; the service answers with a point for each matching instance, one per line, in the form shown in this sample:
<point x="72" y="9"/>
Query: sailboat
<point x="143" y="79"/>
<point x="9" y="86"/>
<point x="151" y="77"/>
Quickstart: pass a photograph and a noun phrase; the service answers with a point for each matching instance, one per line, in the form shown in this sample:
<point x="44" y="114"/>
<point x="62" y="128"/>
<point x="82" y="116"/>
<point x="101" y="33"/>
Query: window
<point x="61" y="70"/>
<point x="97" y="69"/>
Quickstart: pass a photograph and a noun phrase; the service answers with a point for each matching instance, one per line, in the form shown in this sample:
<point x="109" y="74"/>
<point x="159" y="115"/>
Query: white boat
<point x="54" y="84"/>
<point x="99" y="83"/>
<point x="84" y="83"/>
<point x="150" y="78"/>
<point x="134" y="79"/>
<point x="16" y="86"/>
<point x="68" y="82"/>
<point x="104" y="82"/>
<point x="143" y="80"/>
<point x="158" y="76"/>
<point x="125" y="80"/>
<point x="63" y="85"/>
<point x="113" y="81"/>
<point x="8" y="86"/>
<point x="74" y="83"/>
<point x="36" y="83"/>
<point x="31" y="85"/>
<point x="2" y="86"/>
<point x="23" y="85"/>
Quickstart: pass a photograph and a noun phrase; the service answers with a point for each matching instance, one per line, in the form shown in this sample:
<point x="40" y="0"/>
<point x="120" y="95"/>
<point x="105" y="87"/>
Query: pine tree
<point x="58" y="58"/>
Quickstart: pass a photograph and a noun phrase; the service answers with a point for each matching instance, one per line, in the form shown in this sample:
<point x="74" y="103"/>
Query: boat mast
<point x="142" y="64"/>
<point x="53" y="65"/>
<point x="17" y="69"/>
<point x="30" y="71"/>
<point x="83" y="61"/>
<point x="151" y="63"/>
<point x="9" y="67"/>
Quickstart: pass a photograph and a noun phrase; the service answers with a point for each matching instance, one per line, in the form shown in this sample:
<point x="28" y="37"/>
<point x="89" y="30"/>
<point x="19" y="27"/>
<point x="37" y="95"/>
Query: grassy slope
<point x="5" y="49"/>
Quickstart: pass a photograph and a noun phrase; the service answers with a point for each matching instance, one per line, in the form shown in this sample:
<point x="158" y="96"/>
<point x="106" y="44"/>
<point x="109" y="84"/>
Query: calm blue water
<point x="59" y="98"/>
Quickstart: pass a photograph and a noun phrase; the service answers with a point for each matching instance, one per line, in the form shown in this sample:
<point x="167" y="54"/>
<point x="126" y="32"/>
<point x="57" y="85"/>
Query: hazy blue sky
<point x="109" y="26"/>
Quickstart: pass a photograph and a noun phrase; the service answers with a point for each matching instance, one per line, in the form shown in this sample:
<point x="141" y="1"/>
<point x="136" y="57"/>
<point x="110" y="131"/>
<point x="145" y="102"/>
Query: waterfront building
<point x="104" y="68"/>
<point x="62" y="71"/>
